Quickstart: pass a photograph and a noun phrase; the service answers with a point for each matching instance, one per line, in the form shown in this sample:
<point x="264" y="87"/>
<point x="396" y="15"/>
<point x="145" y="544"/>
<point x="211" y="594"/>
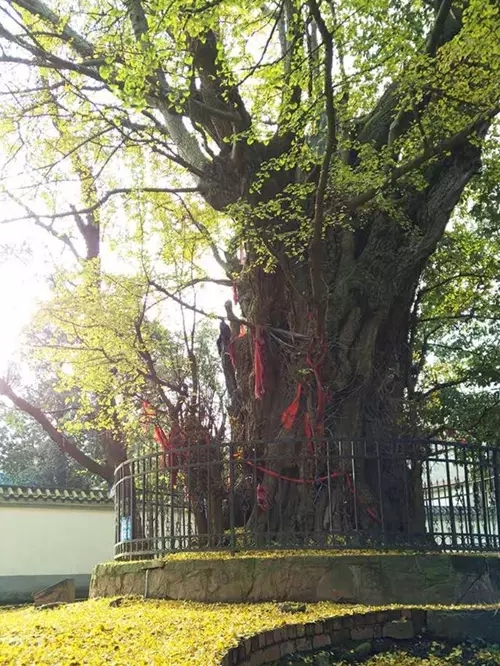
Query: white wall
<point x="39" y="540"/>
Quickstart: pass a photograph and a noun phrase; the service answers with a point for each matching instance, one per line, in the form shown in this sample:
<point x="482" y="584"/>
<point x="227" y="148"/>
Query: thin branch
<point x="422" y="395"/>
<point x="203" y="229"/>
<point x="102" y="200"/>
<point x="458" y="276"/>
<point x="47" y="227"/>
<point x="209" y="315"/>
<point x="463" y="317"/>
<point x="152" y="374"/>
<point x="194" y="281"/>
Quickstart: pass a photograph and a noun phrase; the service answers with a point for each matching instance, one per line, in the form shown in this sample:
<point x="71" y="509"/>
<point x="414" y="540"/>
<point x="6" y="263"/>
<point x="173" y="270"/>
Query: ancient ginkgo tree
<point x="333" y="139"/>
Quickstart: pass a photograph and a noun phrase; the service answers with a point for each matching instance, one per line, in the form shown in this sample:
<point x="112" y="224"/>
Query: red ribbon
<point x="263" y="500"/>
<point x="258" y="361"/>
<point x="319" y="479"/>
<point x="309" y="433"/>
<point x="290" y="414"/>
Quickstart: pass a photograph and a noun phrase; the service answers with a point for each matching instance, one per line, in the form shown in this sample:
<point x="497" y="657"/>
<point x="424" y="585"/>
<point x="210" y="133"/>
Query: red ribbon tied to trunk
<point x="258" y="362"/>
<point x="290" y="414"/>
<point x="263" y="500"/>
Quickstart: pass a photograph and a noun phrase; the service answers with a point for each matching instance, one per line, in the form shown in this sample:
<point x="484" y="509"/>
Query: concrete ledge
<point x="364" y="579"/>
<point x="402" y="624"/>
<point x="20" y="589"/>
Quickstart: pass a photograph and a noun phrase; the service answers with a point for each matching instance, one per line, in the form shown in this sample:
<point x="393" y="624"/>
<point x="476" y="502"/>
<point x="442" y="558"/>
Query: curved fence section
<point x="321" y="494"/>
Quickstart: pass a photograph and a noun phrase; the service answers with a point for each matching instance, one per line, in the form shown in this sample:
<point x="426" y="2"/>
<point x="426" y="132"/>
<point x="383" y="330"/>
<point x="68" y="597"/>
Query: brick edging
<point x="271" y="645"/>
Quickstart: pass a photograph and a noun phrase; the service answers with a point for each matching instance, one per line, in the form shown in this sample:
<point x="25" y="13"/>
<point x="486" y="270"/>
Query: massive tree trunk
<point x="356" y="361"/>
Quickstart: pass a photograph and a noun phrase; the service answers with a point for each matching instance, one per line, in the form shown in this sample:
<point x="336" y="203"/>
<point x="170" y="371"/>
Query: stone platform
<point x="371" y="579"/>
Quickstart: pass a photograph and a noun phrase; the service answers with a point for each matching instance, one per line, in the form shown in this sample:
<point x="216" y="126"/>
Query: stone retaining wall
<point x="364" y="579"/>
<point x="269" y="646"/>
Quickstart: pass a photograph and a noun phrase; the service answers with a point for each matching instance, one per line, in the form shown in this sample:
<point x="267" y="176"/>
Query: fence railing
<point x="425" y="495"/>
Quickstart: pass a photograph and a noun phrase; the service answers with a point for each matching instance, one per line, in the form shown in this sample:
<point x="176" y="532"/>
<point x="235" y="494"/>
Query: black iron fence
<point x="427" y="495"/>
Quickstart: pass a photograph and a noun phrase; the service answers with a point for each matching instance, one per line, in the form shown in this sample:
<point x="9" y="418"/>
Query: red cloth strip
<point x="290" y="414"/>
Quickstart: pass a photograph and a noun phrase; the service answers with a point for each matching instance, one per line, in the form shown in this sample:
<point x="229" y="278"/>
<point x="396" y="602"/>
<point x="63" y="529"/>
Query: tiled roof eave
<point x="10" y="494"/>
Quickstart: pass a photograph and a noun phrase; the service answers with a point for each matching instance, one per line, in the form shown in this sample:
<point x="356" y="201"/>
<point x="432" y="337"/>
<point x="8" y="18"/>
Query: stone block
<point x="371" y="618"/>
<point x="62" y="592"/>
<point x="288" y="647"/>
<point x="301" y="630"/>
<point x="272" y="653"/>
<point x="304" y="644"/>
<point x="362" y="633"/>
<point x="399" y="630"/>
<point x="318" y="627"/>
<point x="280" y="635"/>
<point x="419" y="619"/>
<point x="257" y="658"/>
<point x="321" y="641"/>
<point x="340" y="636"/>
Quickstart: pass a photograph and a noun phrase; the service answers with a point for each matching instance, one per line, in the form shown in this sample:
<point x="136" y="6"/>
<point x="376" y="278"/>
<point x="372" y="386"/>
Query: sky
<point x="23" y="265"/>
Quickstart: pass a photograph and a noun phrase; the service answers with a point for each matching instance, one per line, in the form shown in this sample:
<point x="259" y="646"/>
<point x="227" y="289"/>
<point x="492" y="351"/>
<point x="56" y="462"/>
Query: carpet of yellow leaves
<point x="140" y="633"/>
<point x="144" y="632"/>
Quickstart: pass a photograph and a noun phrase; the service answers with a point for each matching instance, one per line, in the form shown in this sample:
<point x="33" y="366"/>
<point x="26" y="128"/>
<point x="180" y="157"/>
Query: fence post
<point x="231" y="498"/>
<point x="496" y="484"/>
<point x="449" y="489"/>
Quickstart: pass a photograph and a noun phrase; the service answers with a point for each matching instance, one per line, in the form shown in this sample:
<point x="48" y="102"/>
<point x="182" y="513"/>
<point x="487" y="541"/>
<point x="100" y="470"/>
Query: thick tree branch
<point x="64" y="444"/>
<point x="438" y="28"/>
<point x="37" y="8"/>
<point x="315" y="247"/>
<point x="446" y="146"/>
<point x="42" y="58"/>
<point x="186" y="142"/>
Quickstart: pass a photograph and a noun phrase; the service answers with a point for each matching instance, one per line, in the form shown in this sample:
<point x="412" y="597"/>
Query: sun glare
<point x="17" y="303"/>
